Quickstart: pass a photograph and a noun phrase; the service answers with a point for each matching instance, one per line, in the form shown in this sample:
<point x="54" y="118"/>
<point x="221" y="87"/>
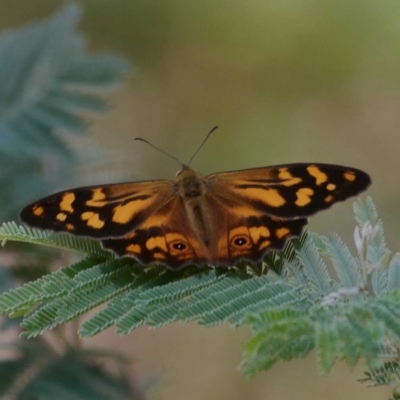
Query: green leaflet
<point x="23" y="233"/>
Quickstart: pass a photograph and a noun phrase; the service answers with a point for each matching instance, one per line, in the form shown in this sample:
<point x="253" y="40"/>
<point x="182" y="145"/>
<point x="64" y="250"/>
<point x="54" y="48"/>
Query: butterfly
<point x="219" y="219"/>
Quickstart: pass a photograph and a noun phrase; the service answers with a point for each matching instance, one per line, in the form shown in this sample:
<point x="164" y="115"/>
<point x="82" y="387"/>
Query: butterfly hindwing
<point x="243" y="233"/>
<point x="255" y="237"/>
<point x="165" y="237"/>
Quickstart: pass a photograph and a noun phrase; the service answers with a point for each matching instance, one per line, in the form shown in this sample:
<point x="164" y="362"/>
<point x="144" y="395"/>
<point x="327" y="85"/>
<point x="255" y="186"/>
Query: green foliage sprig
<point x="351" y="315"/>
<point x="48" y="81"/>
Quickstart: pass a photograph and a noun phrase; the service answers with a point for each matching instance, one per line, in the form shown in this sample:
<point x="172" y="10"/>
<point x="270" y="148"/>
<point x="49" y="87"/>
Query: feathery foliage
<point x="351" y="315"/>
<point x="47" y="81"/>
<point x="303" y="305"/>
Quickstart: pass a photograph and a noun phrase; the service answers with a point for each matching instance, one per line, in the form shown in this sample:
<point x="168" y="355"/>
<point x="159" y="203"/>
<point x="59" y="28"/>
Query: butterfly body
<point x="218" y="219"/>
<point x="193" y="189"/>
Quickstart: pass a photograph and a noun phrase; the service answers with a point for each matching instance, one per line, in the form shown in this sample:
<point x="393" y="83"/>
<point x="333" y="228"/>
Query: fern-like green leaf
<point x="120" y="305"/>
<point x="314" y="268"/>
<point x="180" y="288"/>
<point x="41" y="320"/>
<point x="261" y="294"/>
<point x="23" y="233"/>
<point x="280" y="335"/>
<point x="365" y="211"/>
<point x="44" y="289"/>
<point x="327" y="342"/>
<point x="205" y="300"/>
<point x="78" y="305"/>
<point x="289" y="296"/>
<point x="388" y="374"/>
<point x="393" y="274"/>
<point x="346" y="266"/>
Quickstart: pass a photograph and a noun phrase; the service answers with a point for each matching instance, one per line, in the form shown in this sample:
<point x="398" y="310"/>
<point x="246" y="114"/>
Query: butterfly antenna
<point x="205" y="140"/>
<point x="162" y="151"/>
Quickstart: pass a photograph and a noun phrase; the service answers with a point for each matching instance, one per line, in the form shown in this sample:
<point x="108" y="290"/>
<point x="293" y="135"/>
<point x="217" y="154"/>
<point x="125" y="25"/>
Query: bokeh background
<point x="286" y="81"/>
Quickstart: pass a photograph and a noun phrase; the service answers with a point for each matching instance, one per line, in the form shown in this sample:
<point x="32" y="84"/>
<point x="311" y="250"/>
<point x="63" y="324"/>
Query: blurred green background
<point x="286" y="81"/>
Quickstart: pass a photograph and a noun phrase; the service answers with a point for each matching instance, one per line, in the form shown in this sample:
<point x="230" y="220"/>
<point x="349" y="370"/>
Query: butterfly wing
<point x="289" y="191"/>
<point x="243" y="233"/>
<point x="170" y="237"/>
<point x="239" y="215"/>
<point x="165" y="237"/>
<point x="256" y="210"/>
<point x="99" y="211"/>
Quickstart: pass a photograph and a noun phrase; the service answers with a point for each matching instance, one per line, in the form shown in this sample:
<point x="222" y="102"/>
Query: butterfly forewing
<point x="99" y="211"/>
<point x="293" y="190"/>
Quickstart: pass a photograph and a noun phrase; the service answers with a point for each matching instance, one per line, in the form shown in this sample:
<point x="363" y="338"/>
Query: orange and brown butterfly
<point x="219" y="219"/>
